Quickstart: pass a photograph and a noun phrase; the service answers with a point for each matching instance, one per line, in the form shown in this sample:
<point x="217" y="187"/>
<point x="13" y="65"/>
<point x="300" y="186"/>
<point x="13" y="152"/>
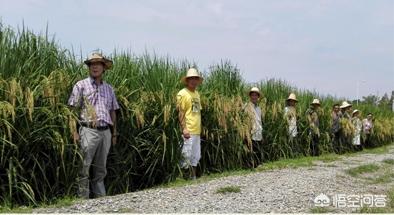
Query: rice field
<point x="39" y="161"/>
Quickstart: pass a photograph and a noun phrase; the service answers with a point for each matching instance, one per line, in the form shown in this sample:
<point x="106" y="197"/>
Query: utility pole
<point x="392" y="100"/>
<point x="358" y="91"/>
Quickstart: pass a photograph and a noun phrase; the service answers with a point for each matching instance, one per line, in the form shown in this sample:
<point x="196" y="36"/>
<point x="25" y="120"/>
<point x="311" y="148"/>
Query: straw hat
<point x="192" y="72"/>
<point x="255" y="90"/>
<point x="355" y="111"/>
<point x="293" y="97"/>
<point x="345" y="104"/>
<point x="315" y="102"/>
<point x="97" y="57"/>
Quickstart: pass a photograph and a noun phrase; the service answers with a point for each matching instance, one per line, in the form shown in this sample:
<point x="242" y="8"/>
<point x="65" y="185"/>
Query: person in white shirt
<point x="291" y="116"/>
<point x="357" y="130"/>
<point x="255" y="115"/>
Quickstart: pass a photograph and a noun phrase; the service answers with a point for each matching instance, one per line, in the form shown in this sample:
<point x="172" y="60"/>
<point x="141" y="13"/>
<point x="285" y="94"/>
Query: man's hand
<point x="114" y="139"/>
<point x="76" y="137"/>
<point x="186" y="134"/>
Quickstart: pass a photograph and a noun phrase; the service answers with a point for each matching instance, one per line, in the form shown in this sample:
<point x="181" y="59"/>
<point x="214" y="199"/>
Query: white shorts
<point x="191" y="151"/>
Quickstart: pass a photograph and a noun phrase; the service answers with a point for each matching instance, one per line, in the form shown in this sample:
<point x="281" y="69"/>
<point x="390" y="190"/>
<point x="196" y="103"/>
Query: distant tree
<point x="385" y="101"/>
<point x="392" y="96"/>
<point x="371" y="99"/>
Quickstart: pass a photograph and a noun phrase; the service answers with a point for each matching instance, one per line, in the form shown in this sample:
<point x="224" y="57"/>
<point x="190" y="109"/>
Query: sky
<point x="330" y="46"/>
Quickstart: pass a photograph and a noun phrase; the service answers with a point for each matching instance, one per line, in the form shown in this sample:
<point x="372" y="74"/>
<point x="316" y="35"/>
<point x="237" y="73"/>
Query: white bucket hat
<point x="192" y="72"/>
<point x="293" y="97"/>
<point x="254" y="90"/>
<point x="97" y="57"/>
<point x="355" y="111"/>
<point x="345" y="104"/>
<point x="316" y="102"/>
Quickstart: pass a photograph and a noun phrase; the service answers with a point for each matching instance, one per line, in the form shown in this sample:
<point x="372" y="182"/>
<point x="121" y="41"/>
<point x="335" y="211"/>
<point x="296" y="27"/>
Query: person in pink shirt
<point x="95" y="102"/>
<point x="368" y="129"/>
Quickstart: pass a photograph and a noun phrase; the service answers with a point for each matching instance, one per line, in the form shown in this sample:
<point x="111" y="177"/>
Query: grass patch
<point x="327" y="158"/>
<point x="16" y="210"/>
<point x="298" y="162"/>
<point x="348" y="162"/>
<point x="388" y="209"/>
<point x="126" y="210"/>
<point x="367" y="168"/>
<point x="120" y="211"/>
<point x="387" y="177"/>
<point x="62" y="202"/>
<point x="180" y="182"/>
<point x="229" y="189"/>
<point x="372" y="210"/>
<point x="287" y="163"/>
<point x="378" y="150"/>
<point x="56" y="203"/>
<point x="321" y="210"/>
<point x="388" y="161"/>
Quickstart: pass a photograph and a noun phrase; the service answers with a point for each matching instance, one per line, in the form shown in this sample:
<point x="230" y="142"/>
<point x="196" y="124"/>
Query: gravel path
<point x="276" y="191"/>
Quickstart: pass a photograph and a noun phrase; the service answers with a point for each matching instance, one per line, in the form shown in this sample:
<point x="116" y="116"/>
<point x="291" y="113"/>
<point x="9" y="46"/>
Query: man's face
<point x="192" y="82"/>
<point x="349" y="109"/>
<point x="254" y="97"/>
<point x="369" y="116"/>
<point x="96" y="69"/>
<point x="336" y="108"/>
<point x="292" y="103"/>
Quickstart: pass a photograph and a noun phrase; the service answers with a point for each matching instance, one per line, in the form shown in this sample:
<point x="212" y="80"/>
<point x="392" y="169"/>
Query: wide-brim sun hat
<point x="192" y="73"/>
<point x="355" y="111"/>
<point x="345" y="104"/>
<point x="254" y="90"/>
<point x="97" y="57"/>
<point x="292" y="97"/>
<point x="315" y="102"/>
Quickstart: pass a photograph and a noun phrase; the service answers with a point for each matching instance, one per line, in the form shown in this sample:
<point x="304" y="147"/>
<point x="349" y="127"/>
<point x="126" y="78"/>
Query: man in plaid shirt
<point x="97" y="104"/>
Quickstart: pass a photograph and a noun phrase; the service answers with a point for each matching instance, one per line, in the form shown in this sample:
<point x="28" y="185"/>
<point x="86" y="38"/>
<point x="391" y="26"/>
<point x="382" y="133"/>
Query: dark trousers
<point x="359" y="147"/>
<point x="256" y="153"/>
<point x="297" y="149"/>
<point x="367" y="141"/>
<point x="342" y="143"/>
<point x="346" y="144"/>
<point x="336" y="142"/>
<point x="314" y="145"/>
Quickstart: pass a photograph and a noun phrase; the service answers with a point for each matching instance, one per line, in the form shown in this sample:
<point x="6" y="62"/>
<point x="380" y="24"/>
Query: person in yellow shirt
<point x="189" y="114"/>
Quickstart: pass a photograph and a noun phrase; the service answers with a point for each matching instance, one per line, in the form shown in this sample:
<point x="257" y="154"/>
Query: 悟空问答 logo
<point x="322" y="200"/>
